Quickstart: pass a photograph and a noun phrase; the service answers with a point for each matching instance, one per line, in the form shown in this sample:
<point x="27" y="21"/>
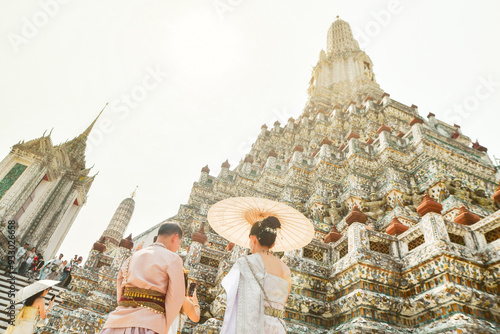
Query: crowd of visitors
<point x="32" y="265"/>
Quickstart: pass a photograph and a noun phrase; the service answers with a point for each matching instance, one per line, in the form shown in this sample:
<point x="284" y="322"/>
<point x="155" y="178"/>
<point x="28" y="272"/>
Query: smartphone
<point x="53" y="297"/>
<point x="192" y="287"/>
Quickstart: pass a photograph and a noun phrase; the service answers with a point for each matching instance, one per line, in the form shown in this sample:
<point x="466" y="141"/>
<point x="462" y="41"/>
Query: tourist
<point x="155" y="273"/>
<point x="68" y="269"/>
<point x="32" y="311"/>
<point x="66" y="277"/>
<point x="190" y="308"/>
<point x="21" y="252"/>
<point x="44" y="271"/>
<point x="57" y="274"/>
<point x="36" y="266"/>
<point x="50" y="267"/>
<point x="28" y="259"/>
<point x="78" y="262"/>
<point x="257" y="286"/>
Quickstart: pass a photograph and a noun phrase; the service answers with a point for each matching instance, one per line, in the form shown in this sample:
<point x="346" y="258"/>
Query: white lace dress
<point x="246" y="301"/>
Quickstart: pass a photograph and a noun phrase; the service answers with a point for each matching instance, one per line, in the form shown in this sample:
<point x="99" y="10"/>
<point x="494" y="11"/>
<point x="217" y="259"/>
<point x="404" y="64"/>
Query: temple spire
<point x="340" y="38"/>
<point x="76" y="147"/>
<point x="133" y="193"/>
<point x="344" y="72"/>
<point x="87" y="131"/>
<point x="118" y="224"/>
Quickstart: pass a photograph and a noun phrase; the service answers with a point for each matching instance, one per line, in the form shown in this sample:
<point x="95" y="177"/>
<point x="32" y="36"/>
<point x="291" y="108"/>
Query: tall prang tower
<point x="405" y="209"/>
<point x="119" y="222"/>
<point x="42" y="189"/>
<point x="92" y="292"/>
<point x="343" y="73"/>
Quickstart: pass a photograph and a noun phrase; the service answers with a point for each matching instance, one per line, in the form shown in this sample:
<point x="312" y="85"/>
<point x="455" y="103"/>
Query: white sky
<point x="223" y="76"/>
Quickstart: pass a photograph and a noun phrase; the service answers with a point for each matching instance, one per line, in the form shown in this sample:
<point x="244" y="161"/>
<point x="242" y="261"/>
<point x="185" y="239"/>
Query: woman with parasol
<point x="258" y="285"/>
<point x="34" y="307"/>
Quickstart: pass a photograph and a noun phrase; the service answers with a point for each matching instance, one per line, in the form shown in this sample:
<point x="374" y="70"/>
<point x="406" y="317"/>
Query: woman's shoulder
<point x="286" y="270"/>
<point x="38" y="302"/>
<point x="283" y="271"/>
<point x="282" y="264"/>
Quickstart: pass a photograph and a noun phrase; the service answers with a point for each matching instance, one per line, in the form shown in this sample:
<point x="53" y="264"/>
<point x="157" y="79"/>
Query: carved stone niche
<point x="438" y="191"/>
<point x="394" y="197"/>
<point x="353" y="201"/>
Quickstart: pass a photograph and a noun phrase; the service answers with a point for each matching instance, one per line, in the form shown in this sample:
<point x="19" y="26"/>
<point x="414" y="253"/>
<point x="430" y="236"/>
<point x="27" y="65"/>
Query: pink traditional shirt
<point x="155" y="268"/>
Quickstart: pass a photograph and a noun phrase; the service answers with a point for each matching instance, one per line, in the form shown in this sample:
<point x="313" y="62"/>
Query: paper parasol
<point x="232" y="218"/>
<point x="33" y="289"/>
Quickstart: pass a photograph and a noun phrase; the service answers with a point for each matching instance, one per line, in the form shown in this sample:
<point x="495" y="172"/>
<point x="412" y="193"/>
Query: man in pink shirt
<point x="150" y="287"/>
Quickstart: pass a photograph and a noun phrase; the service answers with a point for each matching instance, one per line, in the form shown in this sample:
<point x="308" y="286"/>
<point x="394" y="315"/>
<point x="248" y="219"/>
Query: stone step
<point x="20" y="282"/>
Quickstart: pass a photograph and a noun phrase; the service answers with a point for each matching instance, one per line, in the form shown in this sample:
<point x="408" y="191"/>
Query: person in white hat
<point x="33" y="309"/>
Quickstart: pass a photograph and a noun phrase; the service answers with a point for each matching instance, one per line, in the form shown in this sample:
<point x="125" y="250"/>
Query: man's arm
<point x="176" y="290"/>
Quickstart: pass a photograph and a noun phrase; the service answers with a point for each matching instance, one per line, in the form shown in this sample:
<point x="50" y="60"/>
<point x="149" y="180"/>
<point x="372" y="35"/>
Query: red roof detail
<point x="416" y="120"/>
<point x="325" y="141"/>
<point x="465" y="217"/>
<point x="249" y="159"/>
<point x="429" y="205"/>
<point x="352" y="134"/>
<point x="479" y="147"/>
<point x="298" y="148"/>
<point x="272" y="153"/>
<point x="382" y="128"/>
<point x="396" y="227"/>
<point x="356" y="216"/>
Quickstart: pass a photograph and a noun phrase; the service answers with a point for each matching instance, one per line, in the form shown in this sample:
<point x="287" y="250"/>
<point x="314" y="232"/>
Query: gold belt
<point x="149" y="299"/>
<point x="273" y="312"/>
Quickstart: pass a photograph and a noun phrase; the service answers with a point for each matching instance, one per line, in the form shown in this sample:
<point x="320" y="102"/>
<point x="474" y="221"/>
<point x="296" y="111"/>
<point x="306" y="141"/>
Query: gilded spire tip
<point x="133" y="194"/>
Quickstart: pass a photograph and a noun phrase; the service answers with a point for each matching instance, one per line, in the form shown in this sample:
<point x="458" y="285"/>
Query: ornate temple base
<point x="64" y="320"/>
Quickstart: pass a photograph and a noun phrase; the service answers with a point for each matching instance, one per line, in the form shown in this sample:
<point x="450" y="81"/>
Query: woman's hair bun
<point x="272" y="222"/>
<point x="266" y="230"/>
